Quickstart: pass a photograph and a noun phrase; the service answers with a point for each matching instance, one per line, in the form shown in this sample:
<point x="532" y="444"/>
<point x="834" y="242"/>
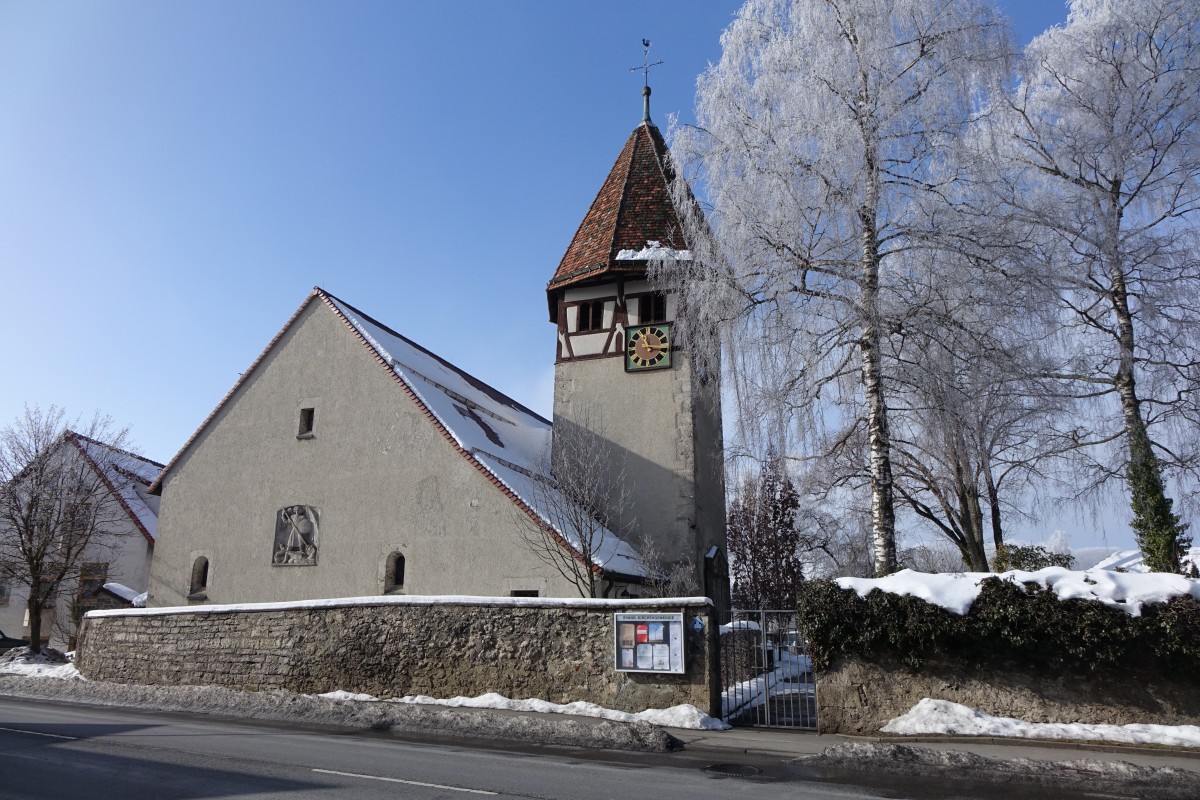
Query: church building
<point x="349" y="460"/>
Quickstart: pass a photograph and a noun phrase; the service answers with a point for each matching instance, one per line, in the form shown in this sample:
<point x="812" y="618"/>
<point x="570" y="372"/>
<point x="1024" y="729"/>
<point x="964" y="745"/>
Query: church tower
<point x="621" y="380"/>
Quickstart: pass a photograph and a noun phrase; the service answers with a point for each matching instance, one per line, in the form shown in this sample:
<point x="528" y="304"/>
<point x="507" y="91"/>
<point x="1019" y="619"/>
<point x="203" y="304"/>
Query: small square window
<point x="307" y="419"/>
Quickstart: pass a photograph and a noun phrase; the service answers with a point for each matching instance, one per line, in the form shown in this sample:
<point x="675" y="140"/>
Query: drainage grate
<point x="733" y="770"/>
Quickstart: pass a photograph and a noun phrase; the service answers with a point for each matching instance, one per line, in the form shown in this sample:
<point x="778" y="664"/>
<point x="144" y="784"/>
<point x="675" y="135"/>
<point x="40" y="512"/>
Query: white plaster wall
<point x="381" y="474"/>
<point x="653" y="423"/>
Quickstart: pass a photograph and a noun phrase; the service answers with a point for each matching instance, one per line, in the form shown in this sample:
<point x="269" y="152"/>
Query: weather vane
<point x="645" y="68"/>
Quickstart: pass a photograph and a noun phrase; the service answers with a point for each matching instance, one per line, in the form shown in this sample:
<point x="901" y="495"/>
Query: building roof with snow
<point x="128" y="477"/>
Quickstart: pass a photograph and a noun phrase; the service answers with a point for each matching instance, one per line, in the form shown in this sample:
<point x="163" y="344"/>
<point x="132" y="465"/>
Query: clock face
<point x="648" y="347"/>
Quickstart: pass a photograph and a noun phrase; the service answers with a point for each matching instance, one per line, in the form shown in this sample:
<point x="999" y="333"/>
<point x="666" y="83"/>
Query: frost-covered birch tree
<point x="1098" y="153"/>
<point x="817" y="131"/>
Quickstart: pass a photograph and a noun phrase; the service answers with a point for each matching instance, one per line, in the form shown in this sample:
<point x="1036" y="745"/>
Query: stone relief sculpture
<point x="296" y="531"/>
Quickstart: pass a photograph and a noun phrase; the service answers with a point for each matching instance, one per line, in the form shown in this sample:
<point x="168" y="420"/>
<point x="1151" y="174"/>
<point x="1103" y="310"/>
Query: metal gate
<point x="766" y="673"/>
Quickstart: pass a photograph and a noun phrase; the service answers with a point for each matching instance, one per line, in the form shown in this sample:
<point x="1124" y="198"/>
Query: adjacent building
<point x="117" y="555"/>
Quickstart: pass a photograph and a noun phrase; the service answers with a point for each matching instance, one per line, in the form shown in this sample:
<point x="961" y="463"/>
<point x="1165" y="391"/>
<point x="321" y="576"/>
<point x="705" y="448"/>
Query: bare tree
<point x="939" y="557"/>
<point x="575" y="499"/>
<point x="58" y="503"/>
<point x="818" y="131"/>
<point x="1097" y="153"/>
<point x="665" y="578"/>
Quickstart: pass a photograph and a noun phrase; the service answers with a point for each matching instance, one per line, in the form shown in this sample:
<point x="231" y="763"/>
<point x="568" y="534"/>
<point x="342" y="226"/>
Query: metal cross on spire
<point x="645" y="68"/>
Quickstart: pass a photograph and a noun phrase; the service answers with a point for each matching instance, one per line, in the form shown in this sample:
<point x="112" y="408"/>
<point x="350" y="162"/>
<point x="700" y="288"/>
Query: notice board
<point x="649" y="642"/>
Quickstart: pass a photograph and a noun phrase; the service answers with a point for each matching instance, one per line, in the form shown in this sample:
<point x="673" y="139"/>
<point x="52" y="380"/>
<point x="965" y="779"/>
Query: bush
<point x="1009" y="627"/>
<point x="1034" y="557"/>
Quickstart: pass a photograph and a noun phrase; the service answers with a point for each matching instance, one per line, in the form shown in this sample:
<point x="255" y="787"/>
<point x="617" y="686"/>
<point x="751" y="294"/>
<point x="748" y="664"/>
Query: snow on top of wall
<point x="956" y="591"/>
<point x="417" y="600"/>
<point x="507" y="440"/>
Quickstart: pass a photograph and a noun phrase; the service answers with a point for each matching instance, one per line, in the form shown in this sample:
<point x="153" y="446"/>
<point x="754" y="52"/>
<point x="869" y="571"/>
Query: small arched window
<point x="199" y="584"/>
<point x="393" y="580"/>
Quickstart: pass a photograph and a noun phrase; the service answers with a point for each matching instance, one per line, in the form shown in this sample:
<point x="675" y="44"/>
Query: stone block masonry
<point x="856" y="697"/>
<point x="555" y="650"/>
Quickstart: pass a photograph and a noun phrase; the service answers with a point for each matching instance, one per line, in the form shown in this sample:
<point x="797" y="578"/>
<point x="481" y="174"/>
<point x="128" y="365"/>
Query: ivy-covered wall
<point x="1019" y="652"/>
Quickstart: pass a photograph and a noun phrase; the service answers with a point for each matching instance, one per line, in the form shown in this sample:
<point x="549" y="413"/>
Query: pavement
<point x="1124" y="771"/>
<point x="790" y="744"/>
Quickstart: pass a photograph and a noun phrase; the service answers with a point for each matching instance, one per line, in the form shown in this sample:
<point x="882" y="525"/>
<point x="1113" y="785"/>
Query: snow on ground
<point x="956" y="591"/>
<point x="944" y="717"/>
<point x="681" y="716"/>
<point x="20" y="661"/>
<point x="792" y="675"/>
<point x="415" y="720"/>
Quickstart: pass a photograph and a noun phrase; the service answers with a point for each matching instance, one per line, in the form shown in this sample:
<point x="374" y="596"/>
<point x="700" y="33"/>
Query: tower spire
<point x="645" y="68"/>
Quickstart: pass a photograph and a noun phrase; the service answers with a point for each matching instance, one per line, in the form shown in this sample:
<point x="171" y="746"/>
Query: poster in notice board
<point x="649" y="642"/>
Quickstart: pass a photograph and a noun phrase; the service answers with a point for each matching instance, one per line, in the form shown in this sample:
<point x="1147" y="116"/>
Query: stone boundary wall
<point x="857" y="698"/>
<point x="555" y="650"/>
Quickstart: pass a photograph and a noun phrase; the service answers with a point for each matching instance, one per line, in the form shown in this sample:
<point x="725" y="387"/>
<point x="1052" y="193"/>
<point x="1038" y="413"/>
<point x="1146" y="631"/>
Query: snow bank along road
<point x="51" y="749"/>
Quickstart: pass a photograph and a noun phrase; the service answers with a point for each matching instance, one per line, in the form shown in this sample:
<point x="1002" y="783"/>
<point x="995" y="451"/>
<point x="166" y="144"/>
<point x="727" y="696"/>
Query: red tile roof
<point x="633" y="208"/>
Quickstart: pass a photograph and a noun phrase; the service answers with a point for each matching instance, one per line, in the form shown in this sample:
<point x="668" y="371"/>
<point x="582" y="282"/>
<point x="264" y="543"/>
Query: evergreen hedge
<point x="1008" y="628"/>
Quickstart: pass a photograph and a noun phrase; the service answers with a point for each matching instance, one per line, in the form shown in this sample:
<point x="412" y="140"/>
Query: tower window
<point x="308" y="417"/>
<point x="393" y="580"/>
<point x="591" y="316"/>
<point x="653" y="308"/>
<point x="199" y="583"/>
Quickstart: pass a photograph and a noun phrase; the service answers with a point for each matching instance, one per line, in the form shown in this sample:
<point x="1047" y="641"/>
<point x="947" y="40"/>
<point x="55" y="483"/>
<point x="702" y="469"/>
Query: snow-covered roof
<point x="1133" y="561"/>
<point x="128" y="477"/>
<point x="956" y="591"/>
<point x="502" y="437"/>
<point x="122" y="591"/>
<point x="654" y="251"/>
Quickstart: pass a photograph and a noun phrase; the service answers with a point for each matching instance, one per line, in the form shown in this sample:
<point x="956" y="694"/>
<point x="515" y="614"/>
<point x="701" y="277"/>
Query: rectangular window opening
<point x="523" y="593"/>
<point x="307" y="418"/>
<point x="654" y="307"/>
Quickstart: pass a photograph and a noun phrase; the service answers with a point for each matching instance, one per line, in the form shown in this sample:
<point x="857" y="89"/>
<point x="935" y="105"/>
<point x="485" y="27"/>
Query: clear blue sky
<point x="176" y="176"/>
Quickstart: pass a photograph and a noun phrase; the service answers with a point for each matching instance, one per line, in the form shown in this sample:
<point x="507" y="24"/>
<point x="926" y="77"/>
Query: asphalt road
<point x="57" y="750"/>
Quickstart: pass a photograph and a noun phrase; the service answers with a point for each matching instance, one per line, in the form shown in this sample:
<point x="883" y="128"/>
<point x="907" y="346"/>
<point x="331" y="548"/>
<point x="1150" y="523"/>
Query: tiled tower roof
<point x="632" y="209"/>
